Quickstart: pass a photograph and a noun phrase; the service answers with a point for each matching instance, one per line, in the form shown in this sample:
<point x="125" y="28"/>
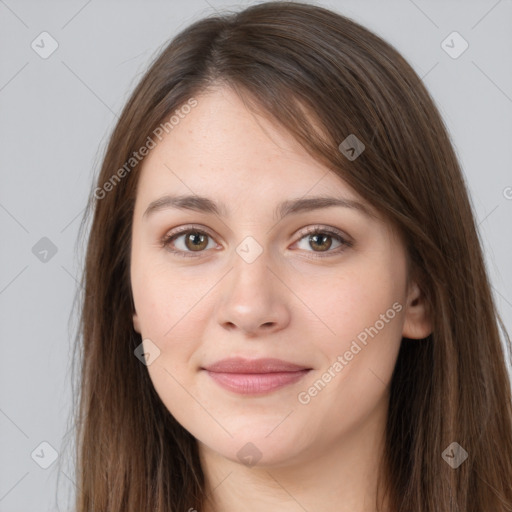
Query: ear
<point x="417" y="324"/>
<point x="136" y="324"/>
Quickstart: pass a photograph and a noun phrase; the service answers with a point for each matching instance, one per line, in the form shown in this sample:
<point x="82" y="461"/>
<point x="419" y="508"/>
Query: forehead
<point x="222" y="147"/>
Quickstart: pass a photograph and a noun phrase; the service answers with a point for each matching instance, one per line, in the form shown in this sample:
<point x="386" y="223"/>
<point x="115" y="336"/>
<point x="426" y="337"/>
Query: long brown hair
<point x="322" y="77"/>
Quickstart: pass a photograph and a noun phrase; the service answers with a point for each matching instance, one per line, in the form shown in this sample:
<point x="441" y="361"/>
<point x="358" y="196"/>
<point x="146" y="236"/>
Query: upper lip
<point x="241" y="365"/>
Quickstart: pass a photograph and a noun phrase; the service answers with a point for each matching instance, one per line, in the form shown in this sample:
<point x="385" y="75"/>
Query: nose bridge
<point x="252" y="298"/>
<point x="251" y="278"/>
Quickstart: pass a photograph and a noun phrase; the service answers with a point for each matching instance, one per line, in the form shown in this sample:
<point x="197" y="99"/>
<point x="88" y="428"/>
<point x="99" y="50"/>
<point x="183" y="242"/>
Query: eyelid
<point x="188" y="227"/>
<point x="321" y="228"/>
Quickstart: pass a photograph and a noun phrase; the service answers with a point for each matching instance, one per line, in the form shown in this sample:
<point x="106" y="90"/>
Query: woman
<point x="286" y="305"/>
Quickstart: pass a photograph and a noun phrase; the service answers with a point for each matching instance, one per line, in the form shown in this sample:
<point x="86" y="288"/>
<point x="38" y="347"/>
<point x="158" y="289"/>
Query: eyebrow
<point x="205" y="205"/>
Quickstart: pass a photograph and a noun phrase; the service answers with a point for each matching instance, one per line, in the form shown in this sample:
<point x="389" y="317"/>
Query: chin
<point x="253" y="450"/>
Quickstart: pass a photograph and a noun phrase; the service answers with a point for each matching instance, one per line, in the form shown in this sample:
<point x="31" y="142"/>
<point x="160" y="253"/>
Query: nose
<point x="253" y="299"/>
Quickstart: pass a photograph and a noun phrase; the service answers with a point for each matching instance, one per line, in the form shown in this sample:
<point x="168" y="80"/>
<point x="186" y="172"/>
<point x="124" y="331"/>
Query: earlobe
<point x="417" y="322"/>
<point x="136" y="324"/>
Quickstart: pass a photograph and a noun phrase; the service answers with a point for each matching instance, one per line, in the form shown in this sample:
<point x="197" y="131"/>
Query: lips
<point x="240" y="365"/>
<point x="258" y="376"/>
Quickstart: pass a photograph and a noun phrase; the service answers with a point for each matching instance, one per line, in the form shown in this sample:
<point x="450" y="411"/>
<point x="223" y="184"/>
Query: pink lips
<point x="255" y="376"/>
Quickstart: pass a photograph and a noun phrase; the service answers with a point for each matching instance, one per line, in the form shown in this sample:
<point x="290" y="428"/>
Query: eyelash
<point x="315" y="230"/>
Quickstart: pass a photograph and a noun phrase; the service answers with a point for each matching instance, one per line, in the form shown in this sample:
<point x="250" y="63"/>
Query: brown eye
<point x="187" y="241"/>
<point x="196" y="241"/>
<point x="321" y="241"/>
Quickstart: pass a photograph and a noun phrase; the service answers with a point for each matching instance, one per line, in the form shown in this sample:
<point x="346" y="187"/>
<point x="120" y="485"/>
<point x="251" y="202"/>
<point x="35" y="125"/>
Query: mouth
<point x="253" y="377"/>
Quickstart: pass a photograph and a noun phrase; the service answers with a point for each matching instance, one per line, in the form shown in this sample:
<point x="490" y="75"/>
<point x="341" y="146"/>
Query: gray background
<point x="56" y="115"/>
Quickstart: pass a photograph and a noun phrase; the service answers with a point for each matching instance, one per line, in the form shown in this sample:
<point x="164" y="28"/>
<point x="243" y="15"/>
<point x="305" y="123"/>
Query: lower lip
<point x="256" y="383"/>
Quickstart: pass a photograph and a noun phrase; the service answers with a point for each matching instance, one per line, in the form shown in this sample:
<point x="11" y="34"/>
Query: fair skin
<point x="289" y="303"/>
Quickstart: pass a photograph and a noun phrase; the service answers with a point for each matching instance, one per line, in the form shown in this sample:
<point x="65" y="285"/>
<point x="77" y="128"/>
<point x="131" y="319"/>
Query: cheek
<point x="161" y="297"/>
<point x="364" y="310"/>
<point x="362" y="313"/>
<point x="168" y="310"/>
<point x="171" y="315"/>
<point x="354" y="301"/>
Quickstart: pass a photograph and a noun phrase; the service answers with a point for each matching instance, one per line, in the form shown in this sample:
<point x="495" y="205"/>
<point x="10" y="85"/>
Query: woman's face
<point x="248" y="280"/>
